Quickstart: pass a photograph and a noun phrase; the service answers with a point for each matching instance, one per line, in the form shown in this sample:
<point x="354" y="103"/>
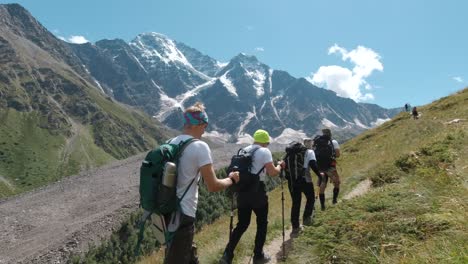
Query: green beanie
<point x="261" y="136"/>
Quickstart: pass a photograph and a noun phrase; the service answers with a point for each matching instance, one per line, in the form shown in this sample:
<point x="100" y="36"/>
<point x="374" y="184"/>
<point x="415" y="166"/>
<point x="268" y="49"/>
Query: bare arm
<point x="214" y="184"/>
<point x="272" y="170"/>
<point x="337" y="153"/>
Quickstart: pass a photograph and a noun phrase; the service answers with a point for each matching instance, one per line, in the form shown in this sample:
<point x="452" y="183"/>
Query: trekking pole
<point x="282" y="209"/>
<point x="232" y="217"/>
<point x="234" y="195"/>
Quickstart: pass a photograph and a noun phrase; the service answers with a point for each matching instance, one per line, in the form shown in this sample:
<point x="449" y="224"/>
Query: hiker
<point x="302" y="183"/>
<point x="326" y="151"/>
<point x="415" y="113"/>
<point x="196" y="160"/>
<point x="255" y="200"/>
<point x="407" y="109"/>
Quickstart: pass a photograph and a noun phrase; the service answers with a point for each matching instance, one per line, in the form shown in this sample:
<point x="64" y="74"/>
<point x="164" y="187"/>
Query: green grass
<point x="417" y="209"/>
<point x="51" y="131"/>
<point x="31" y="156"/>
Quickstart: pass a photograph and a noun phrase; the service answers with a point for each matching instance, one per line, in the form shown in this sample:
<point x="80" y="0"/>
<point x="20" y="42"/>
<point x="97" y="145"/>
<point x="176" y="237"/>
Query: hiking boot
<point x="307" y="221"/>
<point x="296" y="231"/>
<point x="334" y="201"/>
<point x="225" y="259"/>
<point x="263" y="258"/>
<point x="322" y="207"/>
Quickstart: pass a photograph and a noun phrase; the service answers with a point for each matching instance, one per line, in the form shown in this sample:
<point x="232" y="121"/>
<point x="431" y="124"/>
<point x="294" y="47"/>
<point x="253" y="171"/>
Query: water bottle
<point x="167" y="191"/>
<point x="169" y="174"/>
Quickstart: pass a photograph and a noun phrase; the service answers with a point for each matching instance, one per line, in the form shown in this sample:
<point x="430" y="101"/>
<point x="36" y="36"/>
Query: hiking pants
<point x="296" y="190"/>
<point x="180" y="250"/>
<point x="331" y="173"/>
<point x="244" y="212"/>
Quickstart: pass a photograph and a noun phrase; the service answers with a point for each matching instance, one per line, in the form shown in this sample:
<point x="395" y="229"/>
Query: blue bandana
<point x="195" y="118"/>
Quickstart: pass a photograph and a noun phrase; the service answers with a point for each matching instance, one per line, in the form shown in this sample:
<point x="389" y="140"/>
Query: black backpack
<point x="242" y="162"/>
<point x="324" y="151"/>
<point x="295" y="154"/>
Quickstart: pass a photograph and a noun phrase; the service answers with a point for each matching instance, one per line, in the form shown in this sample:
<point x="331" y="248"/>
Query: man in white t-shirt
<point x="254" y="200"/>
<point x="195" y="160"/>
<point x="330" y="171"/>
<point x="304" y="185"/>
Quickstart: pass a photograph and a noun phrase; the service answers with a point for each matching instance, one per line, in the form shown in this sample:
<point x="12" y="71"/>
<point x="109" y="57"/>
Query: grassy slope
<point x="417" y="210"/>
<point x="413" y="216"/>
<point x="30" y="156"/>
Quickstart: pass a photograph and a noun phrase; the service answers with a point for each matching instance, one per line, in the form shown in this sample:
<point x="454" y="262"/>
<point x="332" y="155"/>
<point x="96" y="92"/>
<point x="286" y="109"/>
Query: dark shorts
<point x="332" y="174"/>
<point x="181" y="249"/>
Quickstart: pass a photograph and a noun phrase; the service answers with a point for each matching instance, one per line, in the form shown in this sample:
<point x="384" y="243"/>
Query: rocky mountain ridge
<point x="240" y="95"/>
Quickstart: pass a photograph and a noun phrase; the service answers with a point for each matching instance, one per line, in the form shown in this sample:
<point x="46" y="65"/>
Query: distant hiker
<point x="196" y="160"/>
<point x="415" y="113"/>
<point x="255" y="199"/>
<point x="299" y="158"/>
<point x="326" y="151"/>
<point x="407" y="109"/>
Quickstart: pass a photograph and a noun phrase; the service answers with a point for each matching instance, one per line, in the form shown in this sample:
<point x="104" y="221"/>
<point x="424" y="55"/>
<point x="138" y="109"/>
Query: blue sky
<point x="383" y="52"/>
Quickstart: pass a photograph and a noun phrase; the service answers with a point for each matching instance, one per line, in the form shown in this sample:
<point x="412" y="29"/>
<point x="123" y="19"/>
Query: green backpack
<point x="156" y="198"/>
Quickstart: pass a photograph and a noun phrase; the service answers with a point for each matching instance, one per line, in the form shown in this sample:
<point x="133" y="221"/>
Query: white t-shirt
<point x="309" y="155"/>
<point x="335" y="144"/>
<point x="195" y="156"/>
<point x="261" y="157"/>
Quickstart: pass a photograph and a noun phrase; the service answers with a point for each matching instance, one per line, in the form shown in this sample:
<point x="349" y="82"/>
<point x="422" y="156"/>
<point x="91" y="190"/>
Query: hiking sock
<point x="335" y="194"/>
<point x="322" y="201"/>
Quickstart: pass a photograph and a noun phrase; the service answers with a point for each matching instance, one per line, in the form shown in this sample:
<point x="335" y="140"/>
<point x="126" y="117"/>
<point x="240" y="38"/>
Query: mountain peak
<point x="158" y="46"/>
<point x="245" y="58"/>
<point x="16" y="16"/>
<point x="154" y="35"/>
<point x="15" y="8"/>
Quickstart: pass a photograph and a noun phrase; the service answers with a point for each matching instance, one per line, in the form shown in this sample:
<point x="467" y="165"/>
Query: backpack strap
<point x="183" y="145"/>
<point x="333" y="149"/>
<point x="252" y="153"/>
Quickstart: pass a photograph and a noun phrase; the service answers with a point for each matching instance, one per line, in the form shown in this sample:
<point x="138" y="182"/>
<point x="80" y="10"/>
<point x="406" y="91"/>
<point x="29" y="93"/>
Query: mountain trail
<point x="359" y="190"/>
<point x="275" y="247"/>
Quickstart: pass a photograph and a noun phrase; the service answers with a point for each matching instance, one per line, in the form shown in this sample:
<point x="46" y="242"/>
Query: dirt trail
<point x="46" y="225"/>
<point x="359" y="190"/>
<point x="275" y="249"/>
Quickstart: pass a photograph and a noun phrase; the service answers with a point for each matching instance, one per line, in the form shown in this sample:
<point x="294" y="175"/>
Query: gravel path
<point x="46" y="225"/>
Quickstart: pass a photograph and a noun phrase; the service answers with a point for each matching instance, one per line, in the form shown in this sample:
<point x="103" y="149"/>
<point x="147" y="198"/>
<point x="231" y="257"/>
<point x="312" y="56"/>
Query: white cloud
<point x="77" y="39"/>
<point x="345" y="82"/>
<point x="259" y="49"/>
<point x="74" y="39"/>
<point x="458" y="79"/>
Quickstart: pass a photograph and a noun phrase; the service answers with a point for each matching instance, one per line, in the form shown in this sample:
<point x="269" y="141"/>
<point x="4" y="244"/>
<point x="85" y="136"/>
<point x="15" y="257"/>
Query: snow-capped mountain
<point x="162" y="76"/>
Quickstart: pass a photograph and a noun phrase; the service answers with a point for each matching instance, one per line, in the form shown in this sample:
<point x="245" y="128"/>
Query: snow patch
<point x="215" y="136"/>
<point x="99" y="85"/>
<point x="221" y="64"/>
<point x="288" y="135"/>
<point x="169" y="52"/>
<point x="379" y="121"/>
<point x="270" y="71"/>
<point x="246" y="121"/>
<point x="275" y="111"/>
<point x="244" y="139"/>
<point x="359" y="124"/>
<point x="168" y="103"/>
<point x="258" y="78"/>
<point x="328" y="123"/>
<point x="228" y="84"/>
<point x="139" y="63"/>
<point x="166" y="50"/>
